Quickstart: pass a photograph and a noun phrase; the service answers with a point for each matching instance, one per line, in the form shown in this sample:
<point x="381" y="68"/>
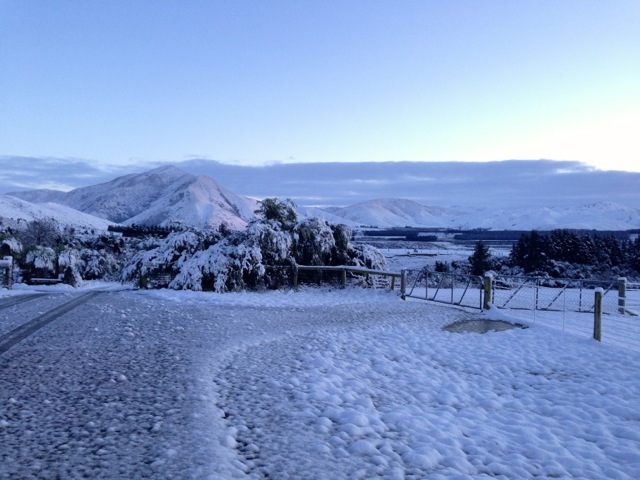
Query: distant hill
<point x="15" y="212"/>
<point x="395" y="212"/>
<point x="158" y="197"/>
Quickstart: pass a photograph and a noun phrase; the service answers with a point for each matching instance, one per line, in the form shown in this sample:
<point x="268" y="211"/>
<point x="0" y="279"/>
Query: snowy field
<point x="314" y="384"/>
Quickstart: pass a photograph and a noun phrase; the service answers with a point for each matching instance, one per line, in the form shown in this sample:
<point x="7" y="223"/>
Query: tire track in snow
<point x="21" y="299"/>
<point x="18" y="334"/>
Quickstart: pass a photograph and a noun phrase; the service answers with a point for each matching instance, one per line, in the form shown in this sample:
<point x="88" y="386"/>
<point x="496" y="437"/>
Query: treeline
<point x="135" y="231"/>
<point x="535" y="252"/>
<point x="563" y="254"/>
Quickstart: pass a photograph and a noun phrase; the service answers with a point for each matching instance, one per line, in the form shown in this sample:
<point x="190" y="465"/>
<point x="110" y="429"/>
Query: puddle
<point x="481" y="326"/>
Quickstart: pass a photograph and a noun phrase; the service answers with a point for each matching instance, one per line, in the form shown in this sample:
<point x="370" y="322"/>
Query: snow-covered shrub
<point x="10" y="246"/>
<point x="98" y="264"/>
<point x="158" y="256"/>
<point x="72" y="277"/>
<point x="367" y="256"/>
<point x="41" y="260"/>
<point x="70" y="263"/>
<point x="68" y="257"/>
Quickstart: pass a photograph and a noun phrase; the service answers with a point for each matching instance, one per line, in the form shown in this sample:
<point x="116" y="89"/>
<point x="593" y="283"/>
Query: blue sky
<point x="256" y="82"/>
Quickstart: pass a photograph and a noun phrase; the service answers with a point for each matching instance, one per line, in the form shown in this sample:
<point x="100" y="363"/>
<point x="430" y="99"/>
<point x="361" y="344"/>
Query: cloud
<point x="512" y="183"/>
<point x="29" y="173"/>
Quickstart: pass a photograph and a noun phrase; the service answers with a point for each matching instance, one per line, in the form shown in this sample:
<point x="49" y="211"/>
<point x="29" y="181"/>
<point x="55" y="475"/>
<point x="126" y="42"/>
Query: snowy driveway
<point x="344" y="384"/>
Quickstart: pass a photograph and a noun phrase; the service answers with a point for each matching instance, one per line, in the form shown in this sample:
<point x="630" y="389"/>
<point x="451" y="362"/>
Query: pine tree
<point x="531" y="252"/>
<point x="480" y="260"/>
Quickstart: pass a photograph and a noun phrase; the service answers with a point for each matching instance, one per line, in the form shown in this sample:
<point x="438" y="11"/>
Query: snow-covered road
<point x="311" y="384"/>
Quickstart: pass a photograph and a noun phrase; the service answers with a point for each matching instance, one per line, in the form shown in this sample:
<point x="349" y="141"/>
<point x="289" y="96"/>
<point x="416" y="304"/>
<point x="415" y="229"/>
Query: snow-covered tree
<point x="275" y="248"/>
<point x="342" y="236"/>
<point x="43" y="232"/>
<point x="280" y="212"/>
<point x="314" y="242"/>
<point x="102" y="256"/>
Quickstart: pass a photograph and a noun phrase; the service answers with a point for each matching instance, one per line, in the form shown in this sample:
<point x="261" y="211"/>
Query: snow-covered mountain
<point x="597" y="216"/>
<point x="15" y="212"/>
<point x="399" y="213"/>
<point x="158" y="197"/>
<point x="168" y="194"/>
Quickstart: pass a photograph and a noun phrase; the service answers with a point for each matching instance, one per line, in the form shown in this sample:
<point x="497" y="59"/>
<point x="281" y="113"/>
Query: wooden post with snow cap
<point x="403" y="284"/>
<point x="488" y="288"/>
<point x="597" y="314"/>
<point x="622" y="295"/>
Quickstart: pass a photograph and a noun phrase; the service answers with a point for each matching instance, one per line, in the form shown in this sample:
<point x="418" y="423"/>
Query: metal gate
<point x="450" y="288"/>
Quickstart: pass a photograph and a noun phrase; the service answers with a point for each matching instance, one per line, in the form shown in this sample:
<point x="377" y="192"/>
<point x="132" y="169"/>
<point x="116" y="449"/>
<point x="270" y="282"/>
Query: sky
<point x="120" y="85"/>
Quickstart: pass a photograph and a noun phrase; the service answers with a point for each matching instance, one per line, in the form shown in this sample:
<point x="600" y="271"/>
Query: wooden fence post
<point x="488" y="288"/>
<point x="597" y="315"/>
<point x="6" y="264"/>
<point x="295" y="277"/>
<point x="622" y="294"/>
<point x="403" y="284"/>
<point x="343" y="278"/>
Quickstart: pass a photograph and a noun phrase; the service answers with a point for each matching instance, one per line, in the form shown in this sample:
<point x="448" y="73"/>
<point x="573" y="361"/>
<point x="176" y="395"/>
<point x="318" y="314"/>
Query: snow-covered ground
<point x="315" y="384"/>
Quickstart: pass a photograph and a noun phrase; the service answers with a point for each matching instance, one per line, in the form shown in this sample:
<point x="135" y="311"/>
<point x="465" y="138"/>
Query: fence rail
<point x="341" y="272"/>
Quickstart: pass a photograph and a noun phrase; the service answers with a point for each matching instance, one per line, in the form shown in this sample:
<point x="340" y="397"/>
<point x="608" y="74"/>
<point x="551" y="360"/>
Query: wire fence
<point x="561" y="294"/>
<point x="566" y="304"/>
<point x="616" y="329"/>
<point x="632" y="298"/>
<point x="569" y="305"/>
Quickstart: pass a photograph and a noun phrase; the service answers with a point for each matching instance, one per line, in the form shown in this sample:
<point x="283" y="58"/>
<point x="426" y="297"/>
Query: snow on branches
<point x="261" y="257"/>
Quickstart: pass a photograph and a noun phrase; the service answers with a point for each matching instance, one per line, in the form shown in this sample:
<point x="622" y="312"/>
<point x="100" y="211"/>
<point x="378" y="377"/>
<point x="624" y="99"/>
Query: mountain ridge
<point x="169" y="195"/>
<point x="160" y="196"/>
